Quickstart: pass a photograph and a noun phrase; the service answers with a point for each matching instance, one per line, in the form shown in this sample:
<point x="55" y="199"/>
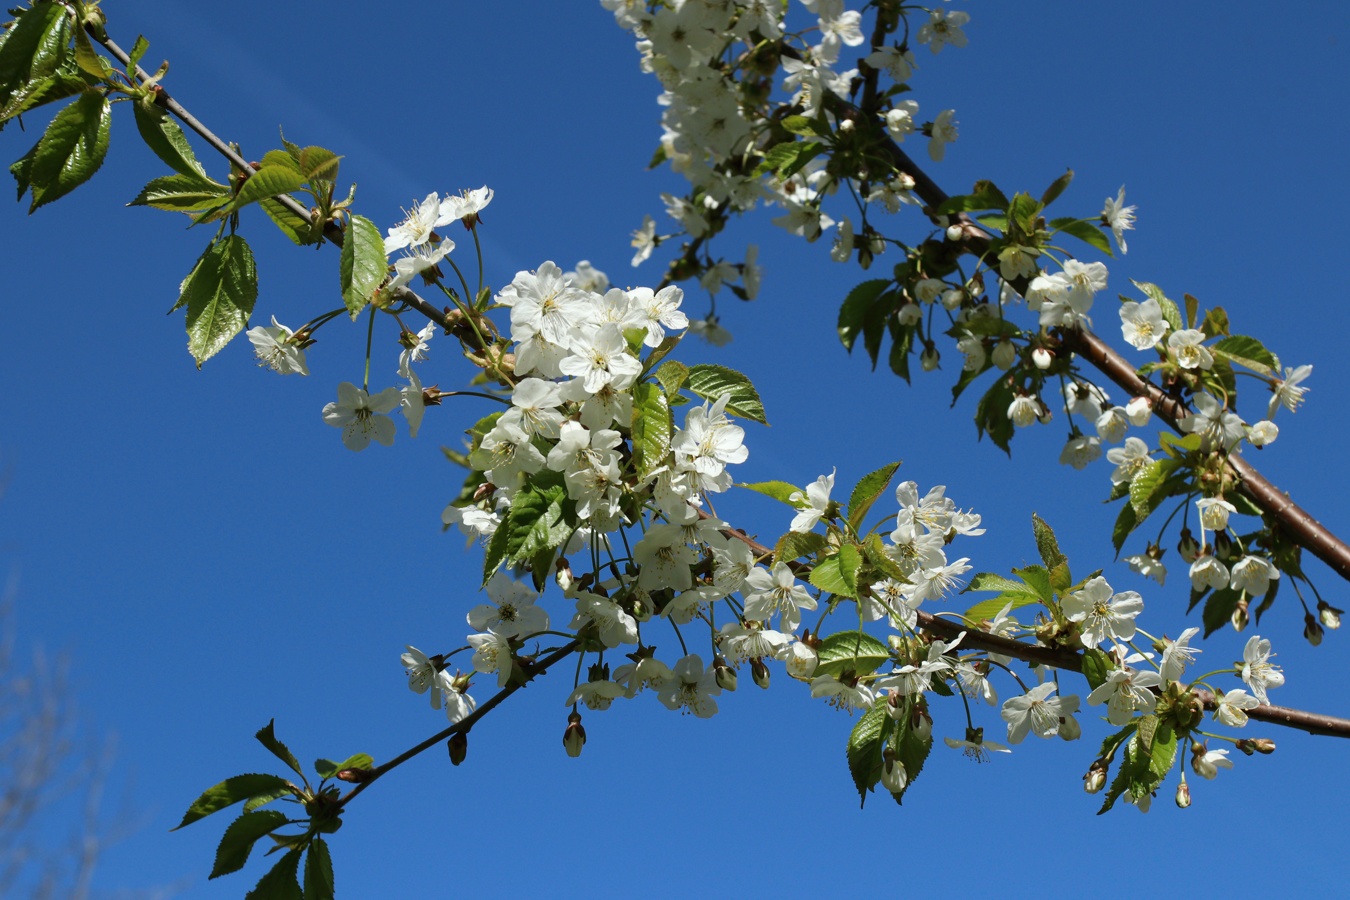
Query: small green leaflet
<point x="864" y="749"/>
<point x="867" y="491"/>
<point x="651" y="428"/>
<point x="329" y="769"/>
<point x="851" y="651"/>
<point x="1085" y="230"/>
<point x="778" y="490"/>
<point x="219" y="295"/>
<point x="231" y="791"/>
<point x="282" y="882"/>
<point x="854" y="310"/>
<point x="71" y="150"/>
<point x="237" y="842"/>
<point x="163" y="136"/>
<point x="362" y="264"/>
<point x="318" y="871"/>
<point x="838" y="574"/>
<point x="711" y="382"/>
<point x="267" y="737"/>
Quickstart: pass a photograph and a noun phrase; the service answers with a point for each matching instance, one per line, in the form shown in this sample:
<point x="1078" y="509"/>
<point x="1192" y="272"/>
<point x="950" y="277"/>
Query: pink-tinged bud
<point x="1188" y="546"/>
<point x="921" y="723"/>
<point x="354" y="776"/>
<point x="562" y="574"/>
<point x="724" y="674"/>
<point x="1095" y="779"/>
<point x="1240" y="617"/>
<point x="759" y="672"/>
<point x="574" y="738"/>
<point x="1312" y="629"/>
<point x="1183" y="795"/>
<point x="1042" y="358"/>
<point x="1330" y="615"/>
<point x="1264" y="746"/>
<point x="458" y="745"/>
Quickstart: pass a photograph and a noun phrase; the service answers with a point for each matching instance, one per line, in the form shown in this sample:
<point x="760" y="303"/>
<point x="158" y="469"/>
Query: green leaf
<point x="801" y="125"/>
<point x="1126" y="523"/>
<point x="778" y="490"/>
<point x="362" y="265"/>
<point x="911" y="751"/>
<point x="41" y="92"/>
<point x="267" y="737"/>
<point x="299" y="229"/>
<point x="1096" y="667"/>
<point x="318" y="871"/>
<point x="988" y="581"/>
<point x="231" y="791"/>
<point x="651" y="428"/>
<point x="711" y="382"/>
<point x="1248" y="352"/>
<point x="281" y="882"/>
<point x="1148" y="487"/>
<point x="238" y="840"/>
<point x="984" y="195"/>
<point x="875" y="553"/>
<point x="1056" y="188"/>
<point x="1192" y="309"/>
<point x="260" y="800"/>
<point x="88" y="59"/>
<point x="167" y="141"/>
<point x="319" y="164"/>
<point x="902" y="339"/>
<point x="1216" y="319"/>
<point x="672" y="374"/>
<point x="788" y="158"/>
<point x="659" y="352"/>
<point x="329" y="769"/>
<point x="988" y="609"/>
<point x="991" y="415"/>
<point x="536" y="520"/>
<point x="71" y="150"/>
<point x="268" y="181"/>
<point x="854" y="309"/>
<point x="851" y="651"/>
<point x="33" y="47"/>
<point x="838" y="574"/>
<point x="1169" y="308"/>
<point x="864" y="749"/>
<point x="20" y="169"/>
<point x="1219" y="609"/>
<point x="182" y="193"/>
<point x="1038" y="578"/>
<point x="867" y="491"/>
<point x="794" y="546"/>
<point x="1112" y="743"/>
<point x="1046" y="543"/>
<point x="219" y="295"/>
<point x="496" y="549"/>
<point x="1085" y="230"/>
<point x="138" y="51"/>
<point x="1163" y="752"/>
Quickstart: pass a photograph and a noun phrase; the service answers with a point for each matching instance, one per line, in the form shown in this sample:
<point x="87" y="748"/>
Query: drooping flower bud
<point x="1042" y="358"/>
<point x="458" y="745"/>
<point x="1263" y="746"/>
<point x="921" y="723"/>
<point x="1004" y="355"/>
<point x="759" y="672"/>
<point x="724" y="674"/>
<point x="1095" y="779"/>
<point x="1183" y="795"/>
<point x="1240" y="617"/>
<point x="1312" y="629"/>
<point x="893" y="774"/>
<point x="574" y="738"/>
<point x="1330" y="615"/>
<point x="928" y="359"/>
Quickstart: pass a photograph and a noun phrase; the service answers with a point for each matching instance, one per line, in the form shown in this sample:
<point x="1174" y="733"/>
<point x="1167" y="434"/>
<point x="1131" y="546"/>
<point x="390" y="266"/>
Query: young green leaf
<point x="167" y="141"/>
<point x="237" y="842"/>
<point x="362" y="265"/>
<point x="33" y="47"/>
<point x="851" y="651"/>
<point x="854" y="309"/>
<point x="1086" y="230"/>
<point x="1170" y="312"/>
<point x="1056" y="188"/>
<point x="231" y="791"/>
<point x="329" y="769"/>
<point x="1096" y="667"/>
<point x="219" y="296"/>
<point x="71" y="150"/>
<point x="318" y="871"/>
<point x="711" y="382"/>
<point x="867" y="491"/>
<point x="1046" y="543"/>
<point x="182" y="193"/>
<point x="672" y="374"/>
<point x="282" y="882"/>
<point x="651" y="428"/>
<point x="837" y="574"/>
<point x="911" y="751"/>
<point x="778" y="490"/>
<point x="988" y="609"/>
<point x="268" y="181"/>
<point x="864" y="749"/>
<point x="794" y="545"/>
<point x="267" y="737"/>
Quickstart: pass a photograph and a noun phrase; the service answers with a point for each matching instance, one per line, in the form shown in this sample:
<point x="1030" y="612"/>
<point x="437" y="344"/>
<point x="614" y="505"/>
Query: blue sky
<point x="211" y="557"/>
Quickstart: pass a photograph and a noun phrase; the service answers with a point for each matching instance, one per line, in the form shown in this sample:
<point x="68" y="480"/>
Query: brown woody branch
<point x="1072" y="660"/>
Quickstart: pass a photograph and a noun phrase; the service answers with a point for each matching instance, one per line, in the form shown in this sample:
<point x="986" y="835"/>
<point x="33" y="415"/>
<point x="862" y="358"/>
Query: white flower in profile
<point x="1034" y="711"/>
<point x="465" y="207"/>
<point x="1256" y="668"/>
<point x="1129" y="460"/>
<point x="361" y="417"/>
<point x="1188" y="349"/>
<point x="691" y="688"/>
<point x="1207" y="763"/>
<point x="1208" y="572"/>
<point x="415" y="347"/>
<point x="1287" y="390"/>
<point x="842" y="695"/>
<point x="644" y="241"/>
<point x="1081" y="451"/>
<point x="711" y="331"/>
<point x="418" y="259"/>
<point x="843" y="241"/>
<point x="1119" y="218"/>
<point x="1139" y="410"/>
<point x="943" y="133"/>
<point x="897" y="63"/>
<point x="458" y="703"/>
<point x="277" y="348"/>
<point x="1142" y="323"/>
<point x="425" y="675"/>
<point x="412" y="403"/>
<point x="1149" y="566"/>
<point x="817" y="500"/>
<point x="597" y="695"/>
<point x="416" y="227"/>
<point x="1253" y="574"/>
<point x="492" y="653"/>
<point x="943" y="28"/>
<point x="1103" y="614"/>
<point x="1230" y="707"/>
<point x="975" y="746"/>
<point x="1178" y="654"/>
<point x="1214" y="512"/>
<point x="512" y="612"/>
<point x="899" y="120"/>
<point x="1262" y="433"/>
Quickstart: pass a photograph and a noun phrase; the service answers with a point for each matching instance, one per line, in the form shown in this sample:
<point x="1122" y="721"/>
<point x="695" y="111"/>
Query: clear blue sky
<point x="211" y="557"/>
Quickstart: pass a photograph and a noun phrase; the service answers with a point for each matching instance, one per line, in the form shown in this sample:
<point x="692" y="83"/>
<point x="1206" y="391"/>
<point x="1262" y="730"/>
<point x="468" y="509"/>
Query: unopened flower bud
<point x="921" y="723"/>
<point x="1240" y="617"/>
<point x="1069" y="729"/>
<point x="1095" y="779"/>
<point x="1004" y="355"/>
<point x="909" y="314"/>
<point x="574" y="738"/>
<point x="893" y="774"/>
<point x="1042" y="358"/>
<point x="954" y="232"/>
<point x="1256" y="745"/>
<point x="458" y="745"/>
<point x="1312" y="629"/>
<point x="1330" y="615"/>
<point x="846" y="125"/>
<point x="1183" y="795"/>
<point x="1188" y="546"/>
<point x="1138" y="411"/>
<point x="759" y="673"/>
<point x="724" y="674"/>
<point x="928" y="359"/>
<point x="562" y="574"/>
<point x="354" y="776"/>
